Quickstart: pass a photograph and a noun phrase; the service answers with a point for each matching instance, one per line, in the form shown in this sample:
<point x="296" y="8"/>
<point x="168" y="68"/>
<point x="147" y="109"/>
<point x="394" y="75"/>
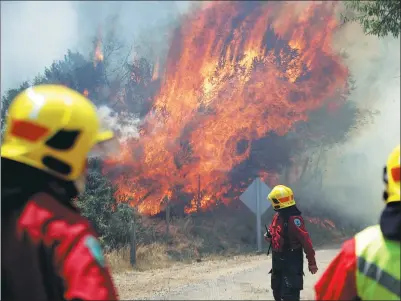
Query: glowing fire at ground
<point x="235" y="71"/>
<point x="325" y="223"/>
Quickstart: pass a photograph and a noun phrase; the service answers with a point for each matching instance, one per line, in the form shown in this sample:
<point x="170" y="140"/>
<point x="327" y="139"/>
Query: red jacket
<point x="338" y="281"/>
<point x="52" y="253"/>
<point x="298" y="236"/>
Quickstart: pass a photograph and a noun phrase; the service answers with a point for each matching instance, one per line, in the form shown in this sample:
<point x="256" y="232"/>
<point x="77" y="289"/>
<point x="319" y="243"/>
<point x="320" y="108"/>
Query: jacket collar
<point x="390" y="221"/>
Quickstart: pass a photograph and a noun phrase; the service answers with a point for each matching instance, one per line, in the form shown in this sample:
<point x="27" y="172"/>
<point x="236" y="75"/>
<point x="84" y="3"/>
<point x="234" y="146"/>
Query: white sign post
<point x="255" y="198"/>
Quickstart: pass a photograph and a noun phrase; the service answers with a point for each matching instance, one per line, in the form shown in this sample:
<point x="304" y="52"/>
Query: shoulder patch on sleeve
<point x="94" y="247"/>
<point x="297" y="222"/>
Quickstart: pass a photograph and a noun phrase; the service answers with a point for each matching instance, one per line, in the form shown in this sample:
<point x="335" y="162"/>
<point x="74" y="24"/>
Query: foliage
<point x="379" y="18"/>
<point x="74" y="71"/>
<point x="97" y="203"/>
<point x="113" y="221"/>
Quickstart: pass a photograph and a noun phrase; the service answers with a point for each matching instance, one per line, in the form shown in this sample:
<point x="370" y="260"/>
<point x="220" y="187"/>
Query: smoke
<point x="352" y="181"/>
<point x="36" y="33"/>
<point x="33" y="35"/>
<point x="125" y="123"/>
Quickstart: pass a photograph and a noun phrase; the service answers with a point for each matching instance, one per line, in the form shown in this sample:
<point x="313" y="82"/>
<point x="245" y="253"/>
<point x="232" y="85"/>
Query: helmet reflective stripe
<point x="27" y="130"/>
<point x="378" y="274"/>
<point x="395" y="173"/>
<point x="281" y="197"/>
<point x="52" y="128"/>
<point x="38" y="102"/>
<point x="392" y="176"/>
<point x="282" y="190"/>
<point x="286" y="199"/>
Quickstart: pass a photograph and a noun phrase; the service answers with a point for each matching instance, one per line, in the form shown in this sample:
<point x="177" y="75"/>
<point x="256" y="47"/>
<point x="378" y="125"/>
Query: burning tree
<point x="239" y="79"/>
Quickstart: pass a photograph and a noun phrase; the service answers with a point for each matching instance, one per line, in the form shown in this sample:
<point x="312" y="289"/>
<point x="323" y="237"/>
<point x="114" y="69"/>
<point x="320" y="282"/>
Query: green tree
<point x="74" y="71"/>
<point x="379" y="18"/>
<point x="98" y="204"/>
<point x="111" y="220"/>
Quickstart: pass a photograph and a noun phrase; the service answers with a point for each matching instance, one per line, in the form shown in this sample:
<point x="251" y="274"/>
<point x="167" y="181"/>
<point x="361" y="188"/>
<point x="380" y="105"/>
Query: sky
<point x="35" y="33"/>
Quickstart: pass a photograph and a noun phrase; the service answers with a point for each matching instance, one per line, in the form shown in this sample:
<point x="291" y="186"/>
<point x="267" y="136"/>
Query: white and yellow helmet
<point x="281" y="197"/>
<point x="53" y="128"/>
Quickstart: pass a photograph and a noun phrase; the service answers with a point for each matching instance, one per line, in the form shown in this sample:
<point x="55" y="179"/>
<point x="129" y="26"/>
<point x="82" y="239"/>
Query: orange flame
<point x="235" y="72"/>
<point x="204" y="203"/>
<point x="99" y="57"/>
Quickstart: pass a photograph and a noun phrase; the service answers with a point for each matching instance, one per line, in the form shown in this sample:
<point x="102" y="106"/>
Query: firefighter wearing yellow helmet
<point x="50" y="251"/>
<point x="288" y="237"/>
<point x="368" y="265"/>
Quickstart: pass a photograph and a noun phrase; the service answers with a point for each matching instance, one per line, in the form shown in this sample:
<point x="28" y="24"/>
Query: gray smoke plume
<point x="36" y="33"/>
<point x="33" y="34"/>
<point x="351" y="174"/>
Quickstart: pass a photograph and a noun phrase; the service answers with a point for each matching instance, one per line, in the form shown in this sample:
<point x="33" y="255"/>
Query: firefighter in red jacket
<point x="49" y="251"/>
<point x="368" y="265"/>
<point x="288" y="237"/>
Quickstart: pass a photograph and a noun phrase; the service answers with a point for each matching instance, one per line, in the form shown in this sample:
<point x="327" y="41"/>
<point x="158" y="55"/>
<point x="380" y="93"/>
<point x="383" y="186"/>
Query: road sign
<point x="249" y="197"/>
<point x="255" y="198"/>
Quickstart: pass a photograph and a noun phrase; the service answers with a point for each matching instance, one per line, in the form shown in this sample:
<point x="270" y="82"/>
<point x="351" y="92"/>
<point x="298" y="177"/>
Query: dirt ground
<point x="237" y="278"/>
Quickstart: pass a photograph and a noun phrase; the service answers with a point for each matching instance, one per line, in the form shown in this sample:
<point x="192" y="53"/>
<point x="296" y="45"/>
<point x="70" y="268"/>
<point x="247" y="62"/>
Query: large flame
<point x="235" y="72"/>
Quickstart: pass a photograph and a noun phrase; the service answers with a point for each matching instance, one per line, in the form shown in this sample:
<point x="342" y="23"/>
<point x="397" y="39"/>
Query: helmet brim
<point x="107" y="145"/>
<point x="104" y="136"/>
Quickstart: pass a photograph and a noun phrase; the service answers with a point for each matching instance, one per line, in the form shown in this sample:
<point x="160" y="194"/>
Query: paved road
<point x="235" y="279"/>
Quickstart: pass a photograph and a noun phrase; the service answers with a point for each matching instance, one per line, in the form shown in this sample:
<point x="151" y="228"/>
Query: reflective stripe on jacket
<point x="378" y="266"/>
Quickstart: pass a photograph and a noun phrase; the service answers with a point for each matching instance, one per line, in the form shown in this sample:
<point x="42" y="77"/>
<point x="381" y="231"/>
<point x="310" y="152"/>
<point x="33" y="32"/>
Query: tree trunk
<point x="168" y="219"/>
<point x="133" y="241"/>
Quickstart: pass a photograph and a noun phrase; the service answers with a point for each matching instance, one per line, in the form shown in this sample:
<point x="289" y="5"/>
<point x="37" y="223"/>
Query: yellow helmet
<point x="391" y="176"/>
<point x="53" y="128"/>
<point x="281" y="197"/>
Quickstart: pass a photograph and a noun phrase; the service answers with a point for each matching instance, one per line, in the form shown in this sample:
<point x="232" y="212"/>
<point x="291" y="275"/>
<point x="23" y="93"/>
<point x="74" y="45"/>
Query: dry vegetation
<point x="153" y="256"/>
<point x="214" y="235"/>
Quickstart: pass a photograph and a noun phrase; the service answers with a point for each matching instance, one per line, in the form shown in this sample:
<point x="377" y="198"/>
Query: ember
<point x="235" y="72"/>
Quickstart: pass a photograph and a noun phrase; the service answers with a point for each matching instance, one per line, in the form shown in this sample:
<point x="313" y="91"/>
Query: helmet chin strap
<point x="80" y="183"/>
